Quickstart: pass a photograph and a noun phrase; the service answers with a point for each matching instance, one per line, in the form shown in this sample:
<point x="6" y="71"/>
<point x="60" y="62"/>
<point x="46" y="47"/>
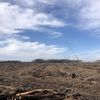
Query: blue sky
<point x="31" y="29"/>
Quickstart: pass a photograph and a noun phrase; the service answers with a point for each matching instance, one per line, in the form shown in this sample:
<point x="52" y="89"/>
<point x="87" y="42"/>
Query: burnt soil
<point x="26" y="76"/>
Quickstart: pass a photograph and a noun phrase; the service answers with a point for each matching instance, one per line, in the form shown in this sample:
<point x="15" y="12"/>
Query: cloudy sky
<point x="31" y="29"/>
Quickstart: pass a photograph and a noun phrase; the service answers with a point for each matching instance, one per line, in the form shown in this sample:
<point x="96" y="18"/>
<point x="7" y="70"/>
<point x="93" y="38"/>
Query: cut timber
<point x="37" y="90"/>
<point x="38" y="94"/>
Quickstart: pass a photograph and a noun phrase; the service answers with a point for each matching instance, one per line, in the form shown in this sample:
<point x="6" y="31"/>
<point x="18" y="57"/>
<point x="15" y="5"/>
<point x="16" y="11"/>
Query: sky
<point x="49" y="29"/>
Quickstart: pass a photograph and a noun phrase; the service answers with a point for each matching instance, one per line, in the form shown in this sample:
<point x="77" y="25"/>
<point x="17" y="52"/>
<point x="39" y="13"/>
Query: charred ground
<point x="28" y="76"/>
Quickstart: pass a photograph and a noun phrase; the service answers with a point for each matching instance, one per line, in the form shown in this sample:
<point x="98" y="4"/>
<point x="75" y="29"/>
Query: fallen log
<point x="38" y="94"/>
<point x="34" y="91"/>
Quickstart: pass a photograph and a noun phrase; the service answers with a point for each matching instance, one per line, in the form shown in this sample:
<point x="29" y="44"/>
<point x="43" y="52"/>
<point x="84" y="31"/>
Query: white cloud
<point x="56" y="34"/>
<point x="13" y="49"/>
<point x="32" y="3"/>
<point x="89" y="14"/>
<point x="14" y="19"/>
<point x="86" y="13"/>
<point x="17" y="16"/>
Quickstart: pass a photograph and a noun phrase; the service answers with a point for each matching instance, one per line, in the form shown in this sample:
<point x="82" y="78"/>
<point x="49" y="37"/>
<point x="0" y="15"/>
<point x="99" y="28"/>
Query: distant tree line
<point x="10" y="61"/>
<point x="55" y="61"/>
<point x="45" y="61"/>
